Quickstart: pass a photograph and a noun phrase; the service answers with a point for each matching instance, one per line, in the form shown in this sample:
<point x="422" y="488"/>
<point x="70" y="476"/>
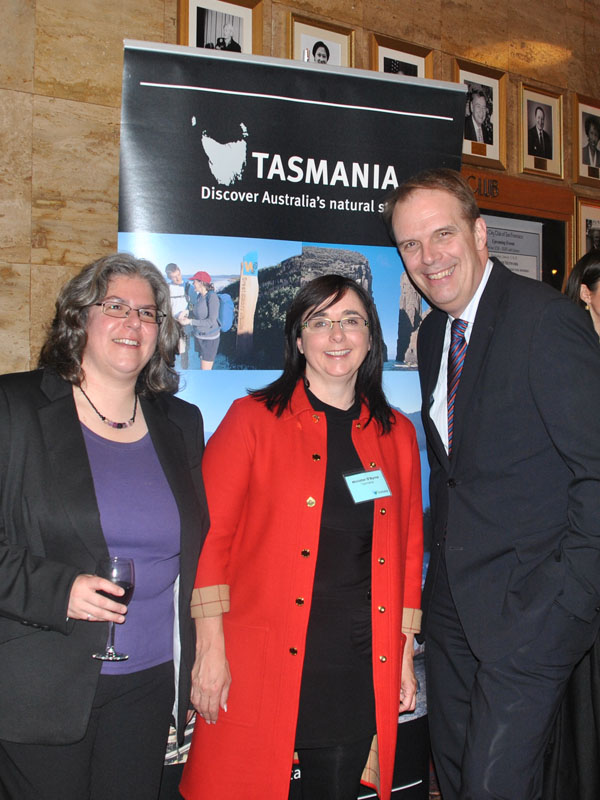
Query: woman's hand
<point x="408" y="681"/>
<point x="85" y="602"/>
<point x="210" y="674"/>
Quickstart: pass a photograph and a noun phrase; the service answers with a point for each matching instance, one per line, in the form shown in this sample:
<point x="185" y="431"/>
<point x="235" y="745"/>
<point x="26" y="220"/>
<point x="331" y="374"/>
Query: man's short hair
<point x="171" y="268"/>
<point x="442" y="180"/>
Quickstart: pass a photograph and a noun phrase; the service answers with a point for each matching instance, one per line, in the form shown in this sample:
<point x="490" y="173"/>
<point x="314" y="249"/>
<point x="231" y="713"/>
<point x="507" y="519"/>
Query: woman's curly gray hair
<point x="67" y="337"/>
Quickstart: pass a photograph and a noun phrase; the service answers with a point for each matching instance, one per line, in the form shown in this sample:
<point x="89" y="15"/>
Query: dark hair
<point x="329" y="289"/>
<point x="317" y="45"/>
<point x="587" y="272"/>
<point x="443" y="180"/>
<point x="590" y="120"/>
<point x="478" y="93"/>
<point x="539" y="108"/>
<point x="66" y="340"/>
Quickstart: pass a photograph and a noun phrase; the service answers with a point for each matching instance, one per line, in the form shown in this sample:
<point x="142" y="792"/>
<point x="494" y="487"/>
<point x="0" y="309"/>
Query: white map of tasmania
<point x="226" y="160"/>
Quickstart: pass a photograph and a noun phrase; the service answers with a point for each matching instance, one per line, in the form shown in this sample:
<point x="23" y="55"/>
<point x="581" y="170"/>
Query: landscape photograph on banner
<point x="255" y="280"/>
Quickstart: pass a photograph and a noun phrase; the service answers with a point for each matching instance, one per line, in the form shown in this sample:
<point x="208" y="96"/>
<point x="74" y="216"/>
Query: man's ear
<point x="480" y="233"/>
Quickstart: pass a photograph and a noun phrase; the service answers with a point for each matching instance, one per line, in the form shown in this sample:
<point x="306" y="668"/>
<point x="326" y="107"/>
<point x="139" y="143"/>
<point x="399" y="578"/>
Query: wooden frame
<point x="306" y="33"/>
<point x="244" y="15"/>
<point x="588" y="226"/>
<point x="396" y="57"/>
<point x="486" y="99"/>
<point x="541" y="155"/>
<point x="587" y="120"/>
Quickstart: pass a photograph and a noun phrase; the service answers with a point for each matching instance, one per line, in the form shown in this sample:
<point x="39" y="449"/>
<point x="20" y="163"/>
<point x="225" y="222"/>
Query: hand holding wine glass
<point x="120" y="571"/>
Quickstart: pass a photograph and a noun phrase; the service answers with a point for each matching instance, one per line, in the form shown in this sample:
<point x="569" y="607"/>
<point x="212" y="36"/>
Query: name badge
<point x="366" y="486"/>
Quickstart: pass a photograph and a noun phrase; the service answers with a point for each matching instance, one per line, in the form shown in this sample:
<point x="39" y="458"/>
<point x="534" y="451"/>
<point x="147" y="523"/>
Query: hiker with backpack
<point x="205" y="320"/>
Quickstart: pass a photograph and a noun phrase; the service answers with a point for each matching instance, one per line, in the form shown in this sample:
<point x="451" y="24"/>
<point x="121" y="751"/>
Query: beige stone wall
<point x="60" y="86"/>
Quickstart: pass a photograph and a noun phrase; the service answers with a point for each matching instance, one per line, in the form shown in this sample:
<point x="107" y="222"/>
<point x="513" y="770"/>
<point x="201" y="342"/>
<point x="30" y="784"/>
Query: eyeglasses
<point x="323" y="324"/>
<point x="113" y="308"/>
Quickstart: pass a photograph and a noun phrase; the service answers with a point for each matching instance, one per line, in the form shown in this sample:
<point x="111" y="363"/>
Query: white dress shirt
<point x="438" y="410"/>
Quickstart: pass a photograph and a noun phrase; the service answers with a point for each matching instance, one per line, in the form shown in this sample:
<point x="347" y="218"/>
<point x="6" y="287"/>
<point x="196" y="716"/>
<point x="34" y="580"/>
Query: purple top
<point x="140" y="520"/>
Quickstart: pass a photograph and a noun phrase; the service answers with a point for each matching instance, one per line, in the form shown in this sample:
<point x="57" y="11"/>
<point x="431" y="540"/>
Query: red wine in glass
<point x="120" y="571"/>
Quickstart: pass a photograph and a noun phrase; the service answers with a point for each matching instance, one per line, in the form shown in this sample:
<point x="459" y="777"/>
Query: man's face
<point x="444" y="254"/>
<point x="321" y="56"/>
<point x="596" y="239"/>
<point x="593" y="136"/>
<point x="478" y="109"/>
<point x="539" y="119"/>
<point x="176" y="277"/>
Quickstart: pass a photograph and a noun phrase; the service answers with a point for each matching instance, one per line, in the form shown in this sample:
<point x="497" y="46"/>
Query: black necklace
<point x="109" y="422"/>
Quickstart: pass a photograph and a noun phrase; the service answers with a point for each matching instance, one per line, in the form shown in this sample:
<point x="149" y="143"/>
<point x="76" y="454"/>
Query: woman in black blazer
<point x="97" y="457"/>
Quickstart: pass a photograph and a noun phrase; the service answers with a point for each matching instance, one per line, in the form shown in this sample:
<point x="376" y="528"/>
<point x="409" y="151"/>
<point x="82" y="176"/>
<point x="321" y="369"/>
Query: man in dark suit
<point x="478" y="127"/>
<point x="539" y="142"/>
<point x="512" y="594"/>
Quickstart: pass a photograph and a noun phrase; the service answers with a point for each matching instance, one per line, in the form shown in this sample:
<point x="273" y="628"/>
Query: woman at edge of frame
<point x="278" y="586"/>
<point x="97" y="457"/>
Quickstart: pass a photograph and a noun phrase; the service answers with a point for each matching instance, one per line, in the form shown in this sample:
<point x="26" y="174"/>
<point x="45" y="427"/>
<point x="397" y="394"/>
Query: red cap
<point x="202" y="276"/>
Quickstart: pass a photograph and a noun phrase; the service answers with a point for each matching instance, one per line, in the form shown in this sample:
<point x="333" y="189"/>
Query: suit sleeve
<point x="34" y="590"/>
<point x="565" y="380"/>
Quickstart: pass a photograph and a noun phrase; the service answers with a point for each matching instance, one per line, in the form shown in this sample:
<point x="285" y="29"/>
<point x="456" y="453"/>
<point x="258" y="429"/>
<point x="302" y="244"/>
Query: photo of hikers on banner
<point x="202" y="314"/>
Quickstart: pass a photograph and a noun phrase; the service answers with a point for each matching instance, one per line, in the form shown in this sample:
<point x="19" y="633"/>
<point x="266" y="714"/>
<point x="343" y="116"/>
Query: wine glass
<point x="119" y="570"/>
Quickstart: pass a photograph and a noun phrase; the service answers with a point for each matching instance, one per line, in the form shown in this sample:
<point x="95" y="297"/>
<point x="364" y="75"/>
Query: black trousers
<point x="333" y="773"/>
<point x="489" y="721"/>
<point x="120" y="757"/>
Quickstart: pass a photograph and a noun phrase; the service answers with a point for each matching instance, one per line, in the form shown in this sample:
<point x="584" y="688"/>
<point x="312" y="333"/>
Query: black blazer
<point x="535" y="147"/>
<point x="471" y="133"/>
<point x="519" y="501"/>
<point x="50" y="532"/>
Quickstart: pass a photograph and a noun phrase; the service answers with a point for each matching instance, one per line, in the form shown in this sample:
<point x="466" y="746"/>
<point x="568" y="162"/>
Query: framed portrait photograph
<point x="588" y="226"/>
<point x="484" y="140"/>
<point x="586" y="140"/>
<point x="318" y="43"/>
<point x="218" y="25"/>
<point x="541" y="132"/>
<point x="400" y="58"/>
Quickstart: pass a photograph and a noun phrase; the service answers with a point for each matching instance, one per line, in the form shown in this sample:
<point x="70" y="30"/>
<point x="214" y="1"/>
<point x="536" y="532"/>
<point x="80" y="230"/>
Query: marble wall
<point x="60" y="85"/>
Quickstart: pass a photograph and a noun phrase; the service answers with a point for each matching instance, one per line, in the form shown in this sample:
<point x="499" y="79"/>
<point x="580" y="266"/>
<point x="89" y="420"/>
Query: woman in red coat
<point x="308" y="588"/>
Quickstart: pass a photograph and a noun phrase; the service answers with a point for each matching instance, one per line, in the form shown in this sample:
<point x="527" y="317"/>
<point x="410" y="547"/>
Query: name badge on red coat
<point x="367" y="485"/>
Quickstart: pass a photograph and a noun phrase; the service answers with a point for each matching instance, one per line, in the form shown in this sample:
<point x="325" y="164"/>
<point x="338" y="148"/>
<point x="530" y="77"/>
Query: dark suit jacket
<point x="50" y="532"/>
<point x="519" y="501"/>
<point x="535" y="147"/>
<point x="585" y="157"/>
<point x="471" y="133"/>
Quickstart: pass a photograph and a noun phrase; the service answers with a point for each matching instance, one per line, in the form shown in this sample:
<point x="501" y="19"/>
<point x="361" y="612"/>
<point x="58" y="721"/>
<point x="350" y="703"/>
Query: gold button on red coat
<point x="381" y="609"/>
<point x="305" y="553"/>
<point x="316" y="417"/>
<point x="381" y="560"/>
<point x="383" y="659"/>
<point x="311" y="502"/>
<point x="299" y="601"/>
<point x="293" y="651"/>
<point x="383" y="512"/>
<point x="316" y="457"/>
<point x="372" y="464"/>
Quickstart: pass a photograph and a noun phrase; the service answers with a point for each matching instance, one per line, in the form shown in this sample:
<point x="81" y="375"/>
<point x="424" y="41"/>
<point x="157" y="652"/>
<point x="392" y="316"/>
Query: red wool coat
<point x="264" y="479"/>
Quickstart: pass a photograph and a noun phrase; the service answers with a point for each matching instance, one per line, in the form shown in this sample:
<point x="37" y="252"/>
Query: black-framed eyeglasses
<point x="324" y="324"/>
<point x="114" y="308"/>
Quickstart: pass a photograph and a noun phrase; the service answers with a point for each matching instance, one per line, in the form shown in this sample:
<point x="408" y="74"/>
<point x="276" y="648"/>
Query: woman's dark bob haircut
<point x="321" y="293"/>
<point x="587" y="272"/>
<point x="65" y="344"/>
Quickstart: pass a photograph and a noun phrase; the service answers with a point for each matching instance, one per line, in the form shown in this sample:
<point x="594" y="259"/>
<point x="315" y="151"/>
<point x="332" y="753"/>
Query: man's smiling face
<point x="444" y="253"/>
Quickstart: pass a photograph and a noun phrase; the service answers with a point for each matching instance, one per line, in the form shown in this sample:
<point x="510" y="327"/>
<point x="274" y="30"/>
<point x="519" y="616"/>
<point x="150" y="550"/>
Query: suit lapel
<point x="429" y="370"/>
<point x="72" y="476"/>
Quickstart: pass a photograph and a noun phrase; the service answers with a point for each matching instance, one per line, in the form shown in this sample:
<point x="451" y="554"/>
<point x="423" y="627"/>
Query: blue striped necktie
<point x="456" y="359"/>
